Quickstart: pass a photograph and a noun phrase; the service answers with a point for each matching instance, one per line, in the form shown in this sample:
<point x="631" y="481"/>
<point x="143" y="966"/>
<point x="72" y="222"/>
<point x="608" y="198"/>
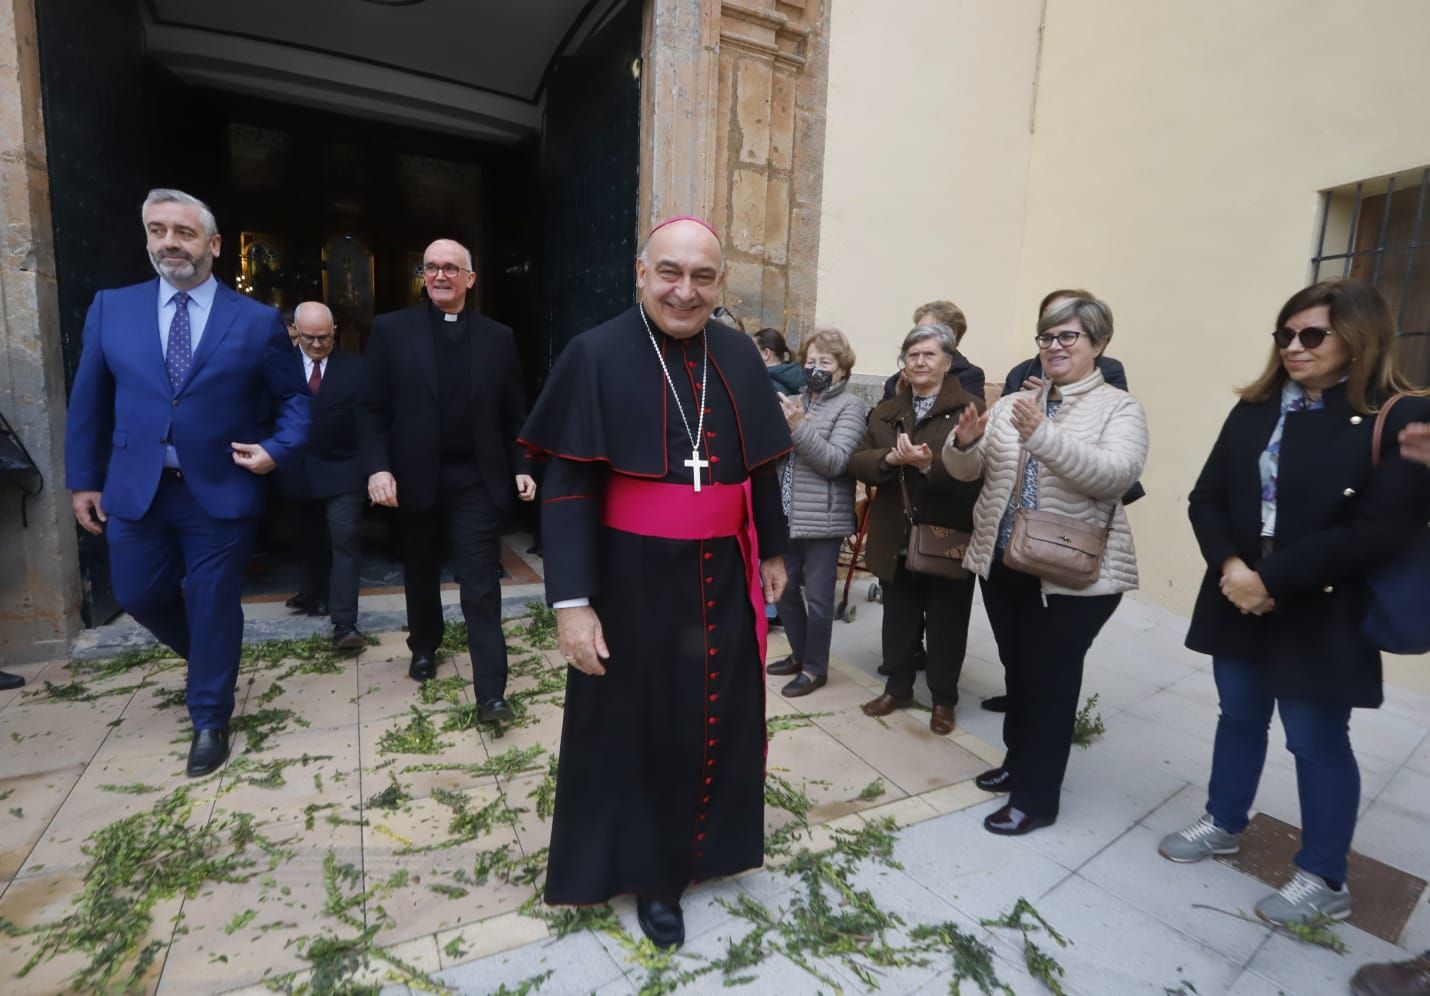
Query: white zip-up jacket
<point x="1088" y="455"/>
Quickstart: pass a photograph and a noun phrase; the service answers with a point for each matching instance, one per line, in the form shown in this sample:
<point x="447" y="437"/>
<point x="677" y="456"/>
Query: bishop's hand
<point x="582" y="641"/>
<point x="773" y="578"/>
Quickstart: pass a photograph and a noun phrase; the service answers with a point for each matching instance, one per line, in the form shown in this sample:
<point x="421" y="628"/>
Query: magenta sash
<point x="678" y="511"/>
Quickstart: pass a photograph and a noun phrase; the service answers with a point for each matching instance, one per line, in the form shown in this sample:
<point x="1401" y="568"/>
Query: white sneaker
<point x="1200" y="840"/>
<point x="1303" y="899"/>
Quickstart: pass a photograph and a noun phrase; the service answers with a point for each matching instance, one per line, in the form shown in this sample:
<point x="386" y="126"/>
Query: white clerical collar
<point x="447" y="316"/>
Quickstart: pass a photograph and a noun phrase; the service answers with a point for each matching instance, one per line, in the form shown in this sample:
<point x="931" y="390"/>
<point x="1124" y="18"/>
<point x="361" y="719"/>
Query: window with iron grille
<point x="1377" y="230"/>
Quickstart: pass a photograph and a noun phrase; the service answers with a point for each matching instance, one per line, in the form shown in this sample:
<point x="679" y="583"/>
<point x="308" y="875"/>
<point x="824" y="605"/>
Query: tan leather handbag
<point x="1059" y="549"/>
<point x="935" y="550"/>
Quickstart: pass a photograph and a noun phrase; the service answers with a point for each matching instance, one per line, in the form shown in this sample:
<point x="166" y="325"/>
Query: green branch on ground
<point x="246" y="770"/>
<point x="1317" y="932"/>
<point x="418" y="736"/>
<point x="1041" y="965"/>
<point x="792" y="721"/>
<point x="541" y="627"/>
<point x="1088" y="725"/>
<point x="526" y="986"/>
<point x="544" y="795"/>
<point x="445" y="689"/>
<point x="389" y="798"/>
<point x="136" y="863"/>
<point x="511" y="762"/>
<point x="262" y="726"/>
<point x="872" y="791"/>
<point x="973" y="960"/>
<point x="134" y="788"/>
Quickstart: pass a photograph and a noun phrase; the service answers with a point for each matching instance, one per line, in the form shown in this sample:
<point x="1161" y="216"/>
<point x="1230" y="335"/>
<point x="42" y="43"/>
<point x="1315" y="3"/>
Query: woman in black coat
<point x="1292" y="517"/>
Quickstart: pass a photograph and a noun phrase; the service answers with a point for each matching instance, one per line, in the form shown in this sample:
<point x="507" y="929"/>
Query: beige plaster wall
<point x="925" y="169"/>
<point x="1176" y="162"/>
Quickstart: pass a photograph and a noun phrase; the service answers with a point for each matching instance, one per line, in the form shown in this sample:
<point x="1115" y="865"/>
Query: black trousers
<point x="918" y="603"/>
<point x="465" y="527"/>
<point x="328" y="552"/>
<point x="1042" y="648"/>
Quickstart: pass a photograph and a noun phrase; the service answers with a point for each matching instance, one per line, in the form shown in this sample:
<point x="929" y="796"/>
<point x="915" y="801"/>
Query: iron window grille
<point x="1376" y="230"/>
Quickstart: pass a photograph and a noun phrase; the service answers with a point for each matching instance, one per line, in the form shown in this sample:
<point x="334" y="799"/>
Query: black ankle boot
<point x="662" y="922"/>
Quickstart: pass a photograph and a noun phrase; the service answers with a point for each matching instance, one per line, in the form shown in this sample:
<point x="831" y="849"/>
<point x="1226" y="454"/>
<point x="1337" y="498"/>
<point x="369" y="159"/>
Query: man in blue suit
<point x="164" y="448"/>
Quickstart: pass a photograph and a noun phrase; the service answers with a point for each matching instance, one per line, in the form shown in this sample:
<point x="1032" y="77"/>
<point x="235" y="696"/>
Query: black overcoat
<point x="1337" y="519"/>
<point x="402" y="416"/>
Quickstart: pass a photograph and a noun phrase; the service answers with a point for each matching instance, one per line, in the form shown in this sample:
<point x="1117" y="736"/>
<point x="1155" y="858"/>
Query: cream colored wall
<point x="1177" y="158"/>
<point x="924" y="169"/>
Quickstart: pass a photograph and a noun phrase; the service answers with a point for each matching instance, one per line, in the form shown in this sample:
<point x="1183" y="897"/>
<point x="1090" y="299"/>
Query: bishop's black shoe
<point x="9" y="681"/>
<point x="207" y="753"/>
<point x="298" y="603"/>
<point x="422" y="668"/>
<point x="995" y="703"/>
<point x="662" y="922"/>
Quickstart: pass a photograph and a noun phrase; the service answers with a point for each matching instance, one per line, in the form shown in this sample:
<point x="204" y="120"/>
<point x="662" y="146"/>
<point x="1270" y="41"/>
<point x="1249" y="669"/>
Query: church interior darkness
<point x="334" y="141"/>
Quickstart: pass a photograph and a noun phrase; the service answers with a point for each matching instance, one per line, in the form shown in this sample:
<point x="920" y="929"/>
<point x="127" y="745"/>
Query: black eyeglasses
<point x="1311" y="336"/>
<point x="448" y="270"/>
<point x="314" y="340"/>
<point x="1065" y="338"/>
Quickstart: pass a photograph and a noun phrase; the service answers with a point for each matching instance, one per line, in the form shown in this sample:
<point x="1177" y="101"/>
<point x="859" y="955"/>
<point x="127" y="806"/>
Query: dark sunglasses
<point x="1311" y="336"/>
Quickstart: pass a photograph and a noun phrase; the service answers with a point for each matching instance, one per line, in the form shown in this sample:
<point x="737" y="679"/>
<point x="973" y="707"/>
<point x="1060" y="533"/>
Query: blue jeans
<point x="1327" y="778"/>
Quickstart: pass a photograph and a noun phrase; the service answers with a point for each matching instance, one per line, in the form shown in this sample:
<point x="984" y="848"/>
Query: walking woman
<point x="1292" y="516"/>
<point x="826" y="421"/>
<point x="1080" y="443"/>
<point x="900" y="450"/>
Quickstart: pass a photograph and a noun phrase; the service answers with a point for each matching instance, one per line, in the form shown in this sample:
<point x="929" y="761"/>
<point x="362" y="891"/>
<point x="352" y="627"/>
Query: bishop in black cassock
<point x="661" y="777"/>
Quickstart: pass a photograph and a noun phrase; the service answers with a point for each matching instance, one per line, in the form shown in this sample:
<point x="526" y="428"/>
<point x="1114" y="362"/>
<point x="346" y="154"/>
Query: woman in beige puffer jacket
<point x="1086" y="443"/>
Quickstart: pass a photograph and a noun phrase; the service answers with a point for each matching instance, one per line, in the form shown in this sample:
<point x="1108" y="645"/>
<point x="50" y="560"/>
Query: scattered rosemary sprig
<point x="873" y="790"/>
<point x="1088" y="725"/>
<point x="418" y="736"/>
<point x="135" y="788"/>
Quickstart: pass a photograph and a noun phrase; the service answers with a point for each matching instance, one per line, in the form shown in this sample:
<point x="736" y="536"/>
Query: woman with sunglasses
<point x="1292" y="517"/>
<point x="1085" y="442"/>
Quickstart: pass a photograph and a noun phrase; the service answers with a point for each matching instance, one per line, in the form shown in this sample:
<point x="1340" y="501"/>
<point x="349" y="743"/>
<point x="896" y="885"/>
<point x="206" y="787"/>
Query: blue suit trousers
<point x="179" y="572"/>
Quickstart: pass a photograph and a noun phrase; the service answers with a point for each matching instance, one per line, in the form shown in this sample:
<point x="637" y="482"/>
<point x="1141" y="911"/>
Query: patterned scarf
<point x="1293" y="399"/>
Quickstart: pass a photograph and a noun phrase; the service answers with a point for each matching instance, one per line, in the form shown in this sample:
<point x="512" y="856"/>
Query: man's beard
<point x="187" y="270"/>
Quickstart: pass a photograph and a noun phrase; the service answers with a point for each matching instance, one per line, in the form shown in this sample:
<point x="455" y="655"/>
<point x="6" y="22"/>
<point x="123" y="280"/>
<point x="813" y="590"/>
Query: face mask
<point x="816" y="379"/>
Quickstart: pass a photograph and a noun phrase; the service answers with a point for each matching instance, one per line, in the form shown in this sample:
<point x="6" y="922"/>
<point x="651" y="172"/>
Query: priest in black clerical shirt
<point x="441" y="409"/>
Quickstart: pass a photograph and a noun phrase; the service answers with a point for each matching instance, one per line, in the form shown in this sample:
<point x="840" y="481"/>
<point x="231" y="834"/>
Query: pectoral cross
<point x="697" y="465"/>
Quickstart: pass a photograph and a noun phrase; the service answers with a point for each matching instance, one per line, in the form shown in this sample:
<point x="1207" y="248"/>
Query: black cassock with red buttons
<point x="661" y="777"/>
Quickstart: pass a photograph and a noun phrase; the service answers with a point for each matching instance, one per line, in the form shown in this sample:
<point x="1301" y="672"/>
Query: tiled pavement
<point x="1136" y="923"/>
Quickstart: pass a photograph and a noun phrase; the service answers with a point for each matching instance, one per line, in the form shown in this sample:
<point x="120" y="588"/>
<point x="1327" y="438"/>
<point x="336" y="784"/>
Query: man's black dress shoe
<point x="662" y="922"/>
<point x="347" y="638"/>
<point x="802" y="684"/>
<point x="298" y="603"/>
<point x="318" y="608"/>
<point x="422" y="668"/>
<point x="494" y="711"/>
<point x="787" y="665"/>
<point x="998" y="779"/>
<point x="207" y="753"/>
<point x="1010" y="822"/>
<point x="9" y="681"/>
<point x="995" y="703"/>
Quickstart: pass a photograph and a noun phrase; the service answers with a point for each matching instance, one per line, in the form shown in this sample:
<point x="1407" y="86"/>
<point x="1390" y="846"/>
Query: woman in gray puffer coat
<point x="826" y="422"/>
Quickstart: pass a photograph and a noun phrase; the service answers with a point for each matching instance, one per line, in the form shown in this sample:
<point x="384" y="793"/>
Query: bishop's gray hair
<point x="939" y="332"/>
<point x="166" y="195"/>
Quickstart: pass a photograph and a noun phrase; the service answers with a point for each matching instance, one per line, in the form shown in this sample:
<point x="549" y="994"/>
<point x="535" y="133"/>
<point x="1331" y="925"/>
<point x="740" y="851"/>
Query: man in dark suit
<point x="442" y="405"/>
<point x="328" y="484"/>
<point x="164" y="448"/>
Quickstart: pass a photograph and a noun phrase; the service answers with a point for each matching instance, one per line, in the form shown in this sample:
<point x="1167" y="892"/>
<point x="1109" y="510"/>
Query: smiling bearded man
<point x="661" y="498"/>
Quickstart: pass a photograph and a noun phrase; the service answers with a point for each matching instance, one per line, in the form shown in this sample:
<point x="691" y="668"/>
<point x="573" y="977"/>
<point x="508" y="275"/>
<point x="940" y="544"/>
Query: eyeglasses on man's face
<point x="315" y="340"/>
<point x="1065" y="338"/>
<point x="448" y="270"/>
<point x="1311" y="336"/>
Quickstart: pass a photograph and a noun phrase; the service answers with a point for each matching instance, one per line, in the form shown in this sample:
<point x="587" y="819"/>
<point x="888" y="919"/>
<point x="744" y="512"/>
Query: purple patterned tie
<point x="177" y="356"/>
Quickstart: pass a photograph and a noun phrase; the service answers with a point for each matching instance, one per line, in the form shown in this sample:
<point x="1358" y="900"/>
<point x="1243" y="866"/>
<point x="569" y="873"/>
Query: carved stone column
<point x="770" y="156"/>
<point x="733" y="129"/>
<point x="39" y="564"/>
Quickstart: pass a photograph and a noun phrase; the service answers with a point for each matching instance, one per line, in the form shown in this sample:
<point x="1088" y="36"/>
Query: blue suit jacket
<point x="122" y="408"/>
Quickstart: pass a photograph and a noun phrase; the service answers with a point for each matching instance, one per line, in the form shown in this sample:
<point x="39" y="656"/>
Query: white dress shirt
<point x="308" y="362"/>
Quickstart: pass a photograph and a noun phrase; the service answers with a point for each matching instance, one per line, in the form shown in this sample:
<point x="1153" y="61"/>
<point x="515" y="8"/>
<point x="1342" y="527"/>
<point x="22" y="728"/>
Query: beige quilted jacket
<point x="1088" y="456"/>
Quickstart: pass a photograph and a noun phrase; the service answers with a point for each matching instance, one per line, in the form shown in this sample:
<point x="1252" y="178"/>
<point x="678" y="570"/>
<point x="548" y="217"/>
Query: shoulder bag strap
<point x="904" y="489"/>
<point x="1375" y="438"/>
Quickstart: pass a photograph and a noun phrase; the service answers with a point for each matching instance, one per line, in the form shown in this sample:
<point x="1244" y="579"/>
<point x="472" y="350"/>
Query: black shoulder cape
<point x="606" y="400"/>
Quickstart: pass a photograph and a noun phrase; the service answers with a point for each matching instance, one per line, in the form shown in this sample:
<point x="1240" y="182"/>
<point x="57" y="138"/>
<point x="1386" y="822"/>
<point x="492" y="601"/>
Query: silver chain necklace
<point x="694" y="463"/>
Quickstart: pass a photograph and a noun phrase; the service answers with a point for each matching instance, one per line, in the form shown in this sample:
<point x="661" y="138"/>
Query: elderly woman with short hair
<point x="1085" y="442"/>
<point x="826" y="421"/>
<point x="900" y="447"/>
